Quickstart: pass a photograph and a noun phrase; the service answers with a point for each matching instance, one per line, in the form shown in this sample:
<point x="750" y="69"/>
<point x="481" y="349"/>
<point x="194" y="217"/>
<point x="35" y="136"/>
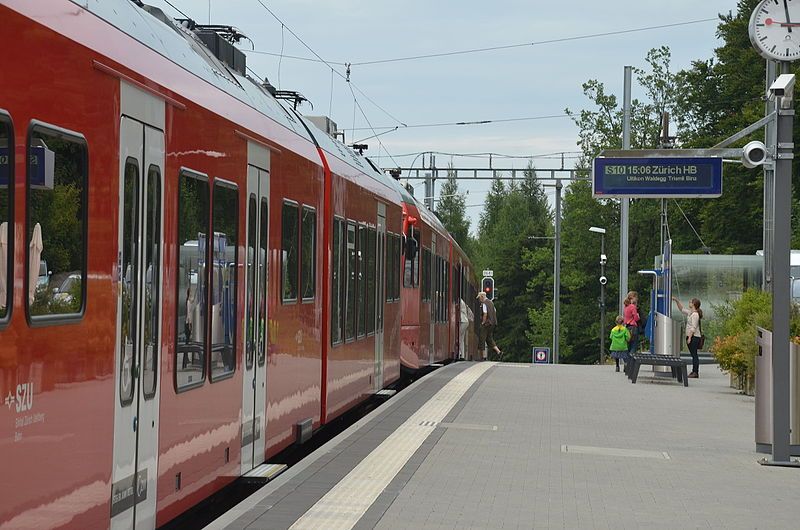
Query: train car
<point x="180" y="258"/>
<point x="463" y="288"/>
<point x="433" y="288"/>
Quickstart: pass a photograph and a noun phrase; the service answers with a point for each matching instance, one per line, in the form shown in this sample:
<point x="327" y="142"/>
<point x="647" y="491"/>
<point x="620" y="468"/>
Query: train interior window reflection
<point x="336" y="282"/>
<point x="289" y="251"/>
<point x="6" y="254"/>
<point x="193" y="220"/>
<point x="57" y="184"/>
<point x="308" y="252"/>
<point x="152" y="286"/>
<point x="250" y="293"/>
<point x="225" y="223"/>
<point x="350" y="290"/>
<point x="361" y="306"/>
<point x="263" y="269"/>
<point x="128" y="283"/>
<point x="370" y="280"/>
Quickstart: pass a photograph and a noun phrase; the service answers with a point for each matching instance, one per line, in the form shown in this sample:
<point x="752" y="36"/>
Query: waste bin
<point x="668" y="339"/>
<point x="764" y="394"/>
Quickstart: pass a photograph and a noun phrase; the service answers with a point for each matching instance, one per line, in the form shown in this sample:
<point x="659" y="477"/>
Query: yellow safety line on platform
<point x="348" y="501"/>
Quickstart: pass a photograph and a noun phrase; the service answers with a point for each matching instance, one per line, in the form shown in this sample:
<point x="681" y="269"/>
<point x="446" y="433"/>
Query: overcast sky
<point x="528" y="81"/>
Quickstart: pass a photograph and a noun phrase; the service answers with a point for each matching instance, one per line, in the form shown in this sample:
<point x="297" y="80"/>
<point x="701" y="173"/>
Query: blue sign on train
<point x="657" y="177"/>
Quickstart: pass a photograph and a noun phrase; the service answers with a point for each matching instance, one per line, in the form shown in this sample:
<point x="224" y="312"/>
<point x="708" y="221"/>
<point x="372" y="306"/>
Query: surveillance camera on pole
<point x="603" y="280"/>
<point x="603" y="259"/>
<point x="754" y="154"/>
<point x="782" y="87"/>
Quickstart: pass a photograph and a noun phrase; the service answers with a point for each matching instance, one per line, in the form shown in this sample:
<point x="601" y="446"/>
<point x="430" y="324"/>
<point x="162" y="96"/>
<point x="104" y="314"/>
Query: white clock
<point x="775" y="29"/>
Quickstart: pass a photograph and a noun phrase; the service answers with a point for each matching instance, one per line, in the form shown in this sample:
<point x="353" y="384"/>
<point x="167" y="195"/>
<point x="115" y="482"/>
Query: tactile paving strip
<point x="346" y="503"/>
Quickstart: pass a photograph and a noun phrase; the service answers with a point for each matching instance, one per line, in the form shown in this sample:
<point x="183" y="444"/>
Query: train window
<point x="263" y="268"/>
<point x="393" y="286"/>
<point x="415" y="261"/>
<point x="426" y="275"/>
<point x="371" y="243"/>
<point x="336" y="282"/>
<point x="390" y="266"/>
<point x="250" y="336"/>
<point x="224" y="278"/>
<point x="436" y="287"/>
<point x="191" y="307"/>
<point x="152" y="281"/>
<point x="129" y="273"/>
<point x="350" y="289"/>
<point x="308" y="252"/>
<point x="397" y="258"/>
<point x="408" y="261"/>
<point x="289" y="222"/>
<point x="6" y="217"/>
<point x="56" y="224"/>
<point x="362" y="281"/>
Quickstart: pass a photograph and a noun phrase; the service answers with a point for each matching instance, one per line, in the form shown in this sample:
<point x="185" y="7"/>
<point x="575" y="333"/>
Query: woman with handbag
<point x="694" y="331"/>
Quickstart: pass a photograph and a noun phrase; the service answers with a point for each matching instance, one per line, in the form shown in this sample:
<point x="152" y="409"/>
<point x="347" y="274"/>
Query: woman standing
<point x="694" y="316"/>
<point x="631" y="319"/>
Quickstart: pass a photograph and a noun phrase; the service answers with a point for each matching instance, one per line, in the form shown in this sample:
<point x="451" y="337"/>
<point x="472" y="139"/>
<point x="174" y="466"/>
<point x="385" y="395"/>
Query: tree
<point x="452" y="211"/>
<point x="514" y="214"/>
<point x="600" y="127"/>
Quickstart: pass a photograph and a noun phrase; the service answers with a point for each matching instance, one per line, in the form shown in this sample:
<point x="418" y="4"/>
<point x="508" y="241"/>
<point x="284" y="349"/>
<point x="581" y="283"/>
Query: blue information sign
<point x="541" y="355"/>
<point x="657" y="177"/>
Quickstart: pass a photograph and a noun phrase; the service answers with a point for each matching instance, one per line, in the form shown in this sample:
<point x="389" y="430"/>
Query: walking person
<point x="632" y="322"/>
<point x="488" y="323"/>
<point x="694" y="331"/>
<point x="620" y="337"/>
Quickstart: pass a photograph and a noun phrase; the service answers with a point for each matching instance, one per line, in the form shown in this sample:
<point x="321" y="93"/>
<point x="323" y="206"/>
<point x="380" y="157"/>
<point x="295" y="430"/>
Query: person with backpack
<point x="620" y="337"/>
<point x="694" y="331"/>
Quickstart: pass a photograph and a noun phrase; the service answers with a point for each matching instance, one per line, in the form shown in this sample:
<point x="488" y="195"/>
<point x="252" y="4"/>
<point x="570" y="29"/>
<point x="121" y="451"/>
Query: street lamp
<point x="603" y="282"/>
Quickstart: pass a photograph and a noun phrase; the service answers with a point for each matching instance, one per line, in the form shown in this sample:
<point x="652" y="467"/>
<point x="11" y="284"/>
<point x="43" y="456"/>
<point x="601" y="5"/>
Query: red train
<point x="192" y="276"/>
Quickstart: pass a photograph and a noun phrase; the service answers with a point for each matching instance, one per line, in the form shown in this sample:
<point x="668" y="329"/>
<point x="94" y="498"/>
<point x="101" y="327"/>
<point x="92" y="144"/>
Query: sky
<point x="521" y="82"/>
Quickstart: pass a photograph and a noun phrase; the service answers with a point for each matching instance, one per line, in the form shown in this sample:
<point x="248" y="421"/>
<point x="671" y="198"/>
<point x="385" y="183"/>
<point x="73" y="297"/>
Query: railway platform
<point x="496" y="445"/>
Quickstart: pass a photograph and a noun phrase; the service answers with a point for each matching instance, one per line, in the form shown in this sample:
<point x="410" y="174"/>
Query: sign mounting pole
<point x="624" y="205"/>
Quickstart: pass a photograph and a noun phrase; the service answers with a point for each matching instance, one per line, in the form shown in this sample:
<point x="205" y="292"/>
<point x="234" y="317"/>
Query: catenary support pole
<point x="602" y="302"/>
<point x="557" y="277"/>
<point x="624" y="207"/>
<point x="782" y="217"/>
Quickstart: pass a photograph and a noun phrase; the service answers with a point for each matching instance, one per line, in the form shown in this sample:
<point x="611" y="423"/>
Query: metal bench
<point x="677" y="365"/>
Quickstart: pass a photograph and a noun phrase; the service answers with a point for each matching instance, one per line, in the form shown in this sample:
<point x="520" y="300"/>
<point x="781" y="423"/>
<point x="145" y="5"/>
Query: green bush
<point x="735" y="347"/>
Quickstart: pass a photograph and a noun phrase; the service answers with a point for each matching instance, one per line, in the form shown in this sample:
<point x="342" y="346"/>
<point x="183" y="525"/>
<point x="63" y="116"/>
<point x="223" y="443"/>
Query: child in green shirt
<point x="620" y="337"/>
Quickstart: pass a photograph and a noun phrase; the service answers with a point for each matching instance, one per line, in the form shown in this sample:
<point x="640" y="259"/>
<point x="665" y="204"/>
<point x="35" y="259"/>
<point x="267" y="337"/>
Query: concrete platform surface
<point x="485" y="445"/>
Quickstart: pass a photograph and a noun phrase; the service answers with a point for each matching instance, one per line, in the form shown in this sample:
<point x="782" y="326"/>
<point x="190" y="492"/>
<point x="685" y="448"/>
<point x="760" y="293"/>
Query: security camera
<point x="603" y="280"/>
<point x="782" y="86"/>
<point x="754" y="154"/>
<point x="603" y="259"/>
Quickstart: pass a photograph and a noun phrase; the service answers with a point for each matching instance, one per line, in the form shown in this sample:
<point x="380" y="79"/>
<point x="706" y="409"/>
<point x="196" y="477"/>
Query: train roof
<point x="174" y="41"/>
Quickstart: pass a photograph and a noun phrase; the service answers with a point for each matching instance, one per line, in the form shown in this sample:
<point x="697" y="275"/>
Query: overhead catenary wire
<point x="512" y="46"/>
<point x="355" y="99"/>
<point x="176" y="9"/>
<point x="327" y="63"/>
<point x="690" y="224"/>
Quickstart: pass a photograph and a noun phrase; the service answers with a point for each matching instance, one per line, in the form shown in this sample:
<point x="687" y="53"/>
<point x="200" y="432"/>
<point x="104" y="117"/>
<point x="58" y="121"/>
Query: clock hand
<point x="770" y="22"/>
<point x="788" y="19"/>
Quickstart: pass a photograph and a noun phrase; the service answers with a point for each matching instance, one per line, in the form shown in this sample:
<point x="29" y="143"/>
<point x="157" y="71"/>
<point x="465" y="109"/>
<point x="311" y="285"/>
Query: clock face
<point x="775" y="29"/>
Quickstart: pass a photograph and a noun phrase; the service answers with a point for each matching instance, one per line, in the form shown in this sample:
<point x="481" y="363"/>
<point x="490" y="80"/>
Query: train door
<point x="379" y="296"/>
<point x="435" y="302"/>
<point x="254" y="391"/>
<point x="138" y="279"/>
